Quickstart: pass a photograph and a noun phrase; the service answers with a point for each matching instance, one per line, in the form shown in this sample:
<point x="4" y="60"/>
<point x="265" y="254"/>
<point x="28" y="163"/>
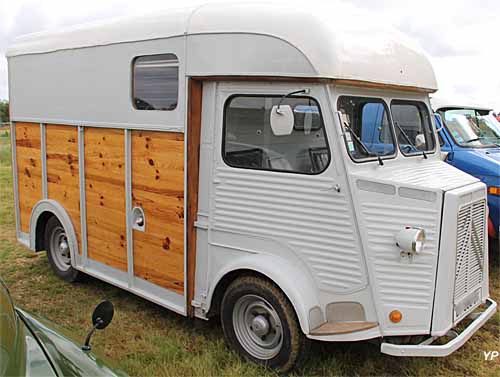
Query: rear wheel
<point x="58" y="251"/>
<point x="260" y="324"/>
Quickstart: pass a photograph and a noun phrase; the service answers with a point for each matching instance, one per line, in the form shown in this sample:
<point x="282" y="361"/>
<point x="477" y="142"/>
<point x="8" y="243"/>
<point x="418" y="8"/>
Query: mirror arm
<point x="302" y="91"/>
<point x="86" y="347"/>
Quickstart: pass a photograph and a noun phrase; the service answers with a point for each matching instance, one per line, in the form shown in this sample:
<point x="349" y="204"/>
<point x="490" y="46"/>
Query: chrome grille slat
<point x="470" y="250"/>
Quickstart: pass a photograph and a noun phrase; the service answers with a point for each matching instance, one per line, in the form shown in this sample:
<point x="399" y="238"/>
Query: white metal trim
<point x="161" y="296"/>
<point x="131" y="126"/>
<point x="128" y="207"/>
<point x="186" y="199"/>
<point x="83" y="207"/>
<point x="429" y="350"/>
<point x="24" y="239"/>
<point x="15" y="180"/>
<point x="52" y="206"/>
<point x="43" y="159"/>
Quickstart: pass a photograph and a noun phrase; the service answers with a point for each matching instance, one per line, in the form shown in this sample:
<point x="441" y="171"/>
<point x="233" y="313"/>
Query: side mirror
<point x="440" y="119"/>
<point x="282" y="120"/>
<point x="420" y="141"/>
<point x="101" y="318"/>
<point x="103" y="315"/>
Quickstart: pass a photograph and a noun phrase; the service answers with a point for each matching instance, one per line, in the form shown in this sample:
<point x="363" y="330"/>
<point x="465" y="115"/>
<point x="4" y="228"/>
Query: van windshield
<point x="413" y="127"/>
<point x="367" y="130"/>
<point x="472" y="130"/>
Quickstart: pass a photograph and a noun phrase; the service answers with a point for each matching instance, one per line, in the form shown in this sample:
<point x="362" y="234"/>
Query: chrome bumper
<point x="426" y="349"/>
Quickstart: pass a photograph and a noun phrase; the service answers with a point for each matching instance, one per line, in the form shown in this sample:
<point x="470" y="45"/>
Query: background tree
<point x="4" y="111"/>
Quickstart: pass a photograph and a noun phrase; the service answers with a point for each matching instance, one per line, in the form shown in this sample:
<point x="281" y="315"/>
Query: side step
<point x="332" y="328"/>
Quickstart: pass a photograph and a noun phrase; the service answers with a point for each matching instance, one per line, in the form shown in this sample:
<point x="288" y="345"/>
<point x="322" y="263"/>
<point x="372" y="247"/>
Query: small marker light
<point x="492" y="190"/>
<point x="395" y="316"/>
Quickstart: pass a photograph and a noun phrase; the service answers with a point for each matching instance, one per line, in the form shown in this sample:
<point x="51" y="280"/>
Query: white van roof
<point x="334" y="45"/>
<point x="438" y="103"/>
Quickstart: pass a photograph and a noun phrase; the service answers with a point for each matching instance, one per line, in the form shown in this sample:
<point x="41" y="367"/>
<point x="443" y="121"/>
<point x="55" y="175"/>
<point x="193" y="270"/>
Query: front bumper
<point x="427" y="349"/>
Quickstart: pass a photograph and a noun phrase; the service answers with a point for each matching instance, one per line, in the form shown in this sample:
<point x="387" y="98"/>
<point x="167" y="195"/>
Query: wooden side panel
<point x="193" y="166"/>
<point x="105" y="196"/>
<point x="29" y="170"/>
<point x="158" y="187"/>
<point x="63" y="182"/>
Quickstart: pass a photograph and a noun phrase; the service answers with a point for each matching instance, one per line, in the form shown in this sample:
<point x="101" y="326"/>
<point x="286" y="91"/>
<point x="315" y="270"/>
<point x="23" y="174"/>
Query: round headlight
<point x="411" y="240"/>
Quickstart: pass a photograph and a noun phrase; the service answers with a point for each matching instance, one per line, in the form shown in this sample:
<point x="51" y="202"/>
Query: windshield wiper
<point x="473" y="139"/>
<point x="362" y="145"/>
<point x="408" y="139"/>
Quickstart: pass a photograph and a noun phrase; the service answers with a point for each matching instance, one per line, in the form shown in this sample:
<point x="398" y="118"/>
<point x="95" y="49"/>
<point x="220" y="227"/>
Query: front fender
<point x="293" y="280"/>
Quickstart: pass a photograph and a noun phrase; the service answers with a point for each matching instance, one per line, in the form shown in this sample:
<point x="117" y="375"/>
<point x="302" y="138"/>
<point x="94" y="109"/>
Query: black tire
<point x="293" y="346"/>
<point x="66" y="272"/>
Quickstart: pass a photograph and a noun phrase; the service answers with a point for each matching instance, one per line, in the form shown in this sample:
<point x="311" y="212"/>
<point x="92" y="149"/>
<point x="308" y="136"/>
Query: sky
<point x="461" y="37"/>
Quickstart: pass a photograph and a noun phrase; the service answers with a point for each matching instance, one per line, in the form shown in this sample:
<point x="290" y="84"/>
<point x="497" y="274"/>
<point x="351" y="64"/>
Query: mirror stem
<point x="86" y="347"/>
<point x="302" y="91"/>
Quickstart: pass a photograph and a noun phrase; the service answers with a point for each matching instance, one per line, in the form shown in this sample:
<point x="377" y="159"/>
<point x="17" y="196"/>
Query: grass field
<point x="145" y="339"/>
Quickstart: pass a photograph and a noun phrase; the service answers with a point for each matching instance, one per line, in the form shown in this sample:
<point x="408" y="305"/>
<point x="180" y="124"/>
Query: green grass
<point x="145" y="339"/>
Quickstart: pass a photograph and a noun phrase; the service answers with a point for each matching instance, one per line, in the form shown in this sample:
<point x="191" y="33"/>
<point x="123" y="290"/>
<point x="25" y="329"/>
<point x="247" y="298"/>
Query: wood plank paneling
<point x="105" y="196"/>
<point x="63" y="181"/>
<point x="29" y="170"/>
<point x="193" y="166"/>
<point x="158" y="187"/>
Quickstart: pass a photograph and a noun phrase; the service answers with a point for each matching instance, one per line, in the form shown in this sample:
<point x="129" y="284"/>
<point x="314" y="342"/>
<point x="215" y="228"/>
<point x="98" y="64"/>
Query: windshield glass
<point x="412" y="126"/>
<point x="367" y="131"/>
<point x="470" y="129"/>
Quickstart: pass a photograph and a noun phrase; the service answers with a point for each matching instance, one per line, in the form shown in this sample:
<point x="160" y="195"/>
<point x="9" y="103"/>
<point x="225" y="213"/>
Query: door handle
<point x="335" y="187"/>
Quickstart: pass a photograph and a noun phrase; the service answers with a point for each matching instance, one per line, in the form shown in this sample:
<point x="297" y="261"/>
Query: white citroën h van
<point x="221" y="160"/>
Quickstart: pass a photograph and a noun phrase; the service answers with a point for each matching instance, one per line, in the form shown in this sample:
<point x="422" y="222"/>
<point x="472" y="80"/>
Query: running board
<point x="332" y="328"/>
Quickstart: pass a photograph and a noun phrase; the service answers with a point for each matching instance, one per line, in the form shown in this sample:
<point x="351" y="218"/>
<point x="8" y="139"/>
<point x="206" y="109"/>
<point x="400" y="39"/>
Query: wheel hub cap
<point x="260" y="325"/>
<point x="64" y="247"/>
<point x="59" y="249"/>
<point x="257" y="327"/>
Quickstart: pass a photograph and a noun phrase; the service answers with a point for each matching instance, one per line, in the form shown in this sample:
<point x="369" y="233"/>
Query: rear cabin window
<point x="367" y="130"/>
<point x="413" y="127"/>
<point x="249" y="141"/>
<point x="155" y="82"/>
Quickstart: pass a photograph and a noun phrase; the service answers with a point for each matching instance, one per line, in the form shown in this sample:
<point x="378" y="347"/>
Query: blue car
<point x="470" y="140"/>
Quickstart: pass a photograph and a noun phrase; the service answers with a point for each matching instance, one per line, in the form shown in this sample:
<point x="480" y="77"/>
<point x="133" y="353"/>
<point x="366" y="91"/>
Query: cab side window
<point x="249" y="141"/>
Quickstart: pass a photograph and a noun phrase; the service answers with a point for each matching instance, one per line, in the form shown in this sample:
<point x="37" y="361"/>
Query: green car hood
<point x="66" y="355"/>
<point x="20" y="352"/>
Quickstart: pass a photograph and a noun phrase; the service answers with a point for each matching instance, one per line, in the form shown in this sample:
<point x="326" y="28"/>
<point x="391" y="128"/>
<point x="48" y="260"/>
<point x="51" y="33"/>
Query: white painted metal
<point x="52" y="206"/>
<point x="83" y="202"/>
<point x="323" y="239"/>
<point x="43" y="159"/>
<point x="443" y="318"/>
<point x="128" y="206"/>
<point x="352" y="47"/>
<point x="430" y="350"/>
<point x="98" y="93"/>
<point x="439" y="103"/>
<point x="15" y="179"/>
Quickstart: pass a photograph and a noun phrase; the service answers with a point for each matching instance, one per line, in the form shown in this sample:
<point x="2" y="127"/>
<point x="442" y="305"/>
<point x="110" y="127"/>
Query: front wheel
<point x="260" y="324"/>
<point x="58" y="251"/>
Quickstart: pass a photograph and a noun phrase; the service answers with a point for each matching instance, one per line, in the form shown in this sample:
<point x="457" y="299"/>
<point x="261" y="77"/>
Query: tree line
<point x="4" y="111"/>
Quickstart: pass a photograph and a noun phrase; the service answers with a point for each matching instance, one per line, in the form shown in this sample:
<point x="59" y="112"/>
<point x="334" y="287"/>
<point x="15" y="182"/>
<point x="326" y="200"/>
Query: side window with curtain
<point x="249" y="142"/>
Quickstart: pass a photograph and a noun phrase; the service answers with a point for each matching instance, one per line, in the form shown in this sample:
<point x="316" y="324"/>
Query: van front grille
<point x="470" y="250"/>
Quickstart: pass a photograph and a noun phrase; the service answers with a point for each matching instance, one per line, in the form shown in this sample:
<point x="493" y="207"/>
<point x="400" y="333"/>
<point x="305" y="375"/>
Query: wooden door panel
<point x="158" y="188"/>
<point x="105" y="196"/>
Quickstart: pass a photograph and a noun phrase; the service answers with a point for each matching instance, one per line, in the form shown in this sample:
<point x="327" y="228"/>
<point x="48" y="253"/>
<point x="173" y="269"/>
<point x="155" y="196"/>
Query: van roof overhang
<point x="348" y="49"/>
